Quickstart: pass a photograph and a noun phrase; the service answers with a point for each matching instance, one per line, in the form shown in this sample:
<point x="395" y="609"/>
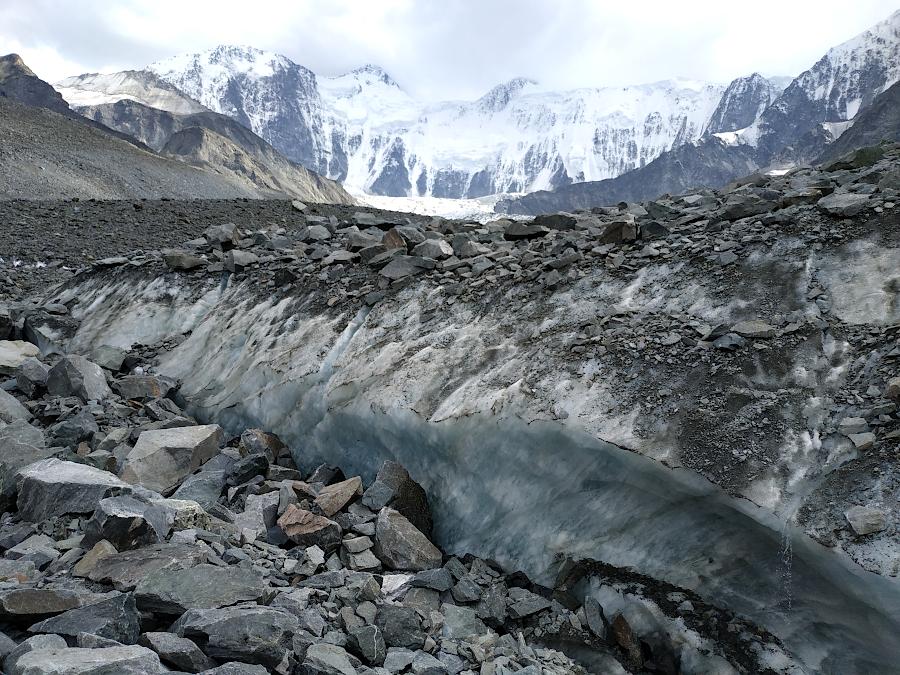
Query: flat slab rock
<point x="52" y="487"/>
<point x="201" y="587"/>
<point x="125" y="570"/>
<point x="125" y="660"/>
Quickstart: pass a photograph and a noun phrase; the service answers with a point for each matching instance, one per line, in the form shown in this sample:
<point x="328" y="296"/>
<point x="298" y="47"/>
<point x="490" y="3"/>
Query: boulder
<point x="125" y="660"/>
<point x="556" y="221"/>
<point x="327" y="659"/>
<point x="74" y="375"/>
<point x="335" y="497"/>
<point x="368" y="643"/>
<point x="177" y="652"/>
<point x="438" y="249"/>
<point x="237" y="260"/>
<point x="252" y="634"/>
<point x="86" y="565"/>
<point x="127" y="523"/>
<point x="178" y="259"/>
<point x="402" y="266"/>
<point x="29" y="645"/>
<point x="400" y="626"/>
<point x="308" y="529"/>
<point x="259" y="442"/>
<point x="400" y="545"/>
<point x="13" y="354"/>
<point x="224" y="237"/>
<point x="73" y="429"/>
<point x="520" y="230"/>
<point x="162" y="458"/>
<point x="22" y="445"/>
<point x="394" y="487"/>
<point x="11" y="410"/>
<point x="143" y="387"/>
<point x="115" y="618"/>
<point x="461" y="622"/>
<point x="51" y="332"/>
<point x="865" y="520"/>
<point x="753" y="329"/>
<point x="31" y="377"/>
<point x="843" y="204"/>
<point x="52" y="487"/>
<point x="169" y="591"/>
<point x="523" y="602"/>
<point x="38" y="602"/>
<point x="126" y="569"/>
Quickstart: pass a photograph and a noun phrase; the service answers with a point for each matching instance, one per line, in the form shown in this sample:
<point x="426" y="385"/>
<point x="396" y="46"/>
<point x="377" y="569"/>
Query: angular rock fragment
<point x="307" y="529"/>
<point x="128" y="660"/>
<point x="394" y="487"/>
<point x="252" y="634"/>
<point x="74" y="375"/>
<point x="162" y="458"/>
<point x="127" y="523"/>
<point x="865" y="520"/>
<point x="177" y="652"/>
<point x="335" y="497"/>
<point x="115" y="618"/>
<point x="126" y="569"/>
<point x="174" y="591"/>
<point x="13" y="354"/>
<point x="399" y="545"/>
<point x="52" y="487"/>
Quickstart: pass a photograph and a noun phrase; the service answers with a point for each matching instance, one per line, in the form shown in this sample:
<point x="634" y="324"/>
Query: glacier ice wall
<point x="505" y="483"/>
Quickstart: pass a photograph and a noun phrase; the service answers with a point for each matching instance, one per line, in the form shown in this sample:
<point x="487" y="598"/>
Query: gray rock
<point x="394" y="487"/>
<point x="115" y="618"/>
<point x="224" y="237"/>
<point x="22" y="445"/>
<point x="109" y="357"/>
<point x="73" y="429"/>
<point x="491" y="606"/>
<point x="253" y="634"/>
<point x="11" y="410"/>
<point x="308" y="529"/>
<point x="399" y="545"/>
<point x="438" y="249"/>
<point x="127" y="523"/>
<point x="169" y="591"/>
<point x="144" y="387"/>
<point x="402" y="266"/>
<point x="368" y="643"/>
<point x="13" y="354"/>
<point x="126" y="569"/>
<point x="865" y="520"/>
<point x="31" y="377"/>
<point x="236" y="668"/>
<point x="332" y="498"/>
<point x="400" y="627"/>
<point x="520" y="230"/>
<point x="37" y="602"/>
<point x="74" y="375"/>
<point x="326" y="659"/>
<point x="461" y="622"/>
<point x="29" y="645"/>
<point x="177" y="651"/>
<point x="237" y="260"/>
<point x="843" y="204"/>
<point x="162" y="458"/>
<point x="52" y="487"/>
<point x="129" y="660"/>
<point x="51" y="332"/>
<point x="524" y="603"/>
<point x="753" y="329"/>
<point x="178" y="259"/>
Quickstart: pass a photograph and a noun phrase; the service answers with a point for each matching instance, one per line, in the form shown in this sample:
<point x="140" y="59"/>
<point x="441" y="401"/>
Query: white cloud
<point x="453" y="48"/>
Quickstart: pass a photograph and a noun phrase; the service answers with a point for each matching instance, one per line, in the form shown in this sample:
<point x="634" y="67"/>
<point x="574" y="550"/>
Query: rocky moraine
<point x="264" y="436"/>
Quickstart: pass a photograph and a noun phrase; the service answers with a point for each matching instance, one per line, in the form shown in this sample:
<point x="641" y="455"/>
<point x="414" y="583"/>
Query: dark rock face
<point x="18" y="82"/>
<point x="710" y="163"/>
<point x="394" y="178"/>
<point x="873" y="125"/>
<point x="742" y="103"/>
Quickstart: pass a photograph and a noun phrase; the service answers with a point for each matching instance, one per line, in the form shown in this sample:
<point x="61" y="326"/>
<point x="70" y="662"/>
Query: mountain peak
<point x="13" y="64"/>
<point x="372" y="72"/>
<point x="500" y="96"/>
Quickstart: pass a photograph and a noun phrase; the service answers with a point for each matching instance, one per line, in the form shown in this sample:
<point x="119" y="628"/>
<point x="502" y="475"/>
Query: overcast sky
<point x="448" y="48"/>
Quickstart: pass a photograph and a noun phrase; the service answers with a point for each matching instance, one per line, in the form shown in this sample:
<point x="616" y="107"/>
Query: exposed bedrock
<point x="518" y="437"/>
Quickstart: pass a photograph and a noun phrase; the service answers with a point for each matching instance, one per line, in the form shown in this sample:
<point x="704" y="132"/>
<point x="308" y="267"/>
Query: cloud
<point x="453" y="48"/>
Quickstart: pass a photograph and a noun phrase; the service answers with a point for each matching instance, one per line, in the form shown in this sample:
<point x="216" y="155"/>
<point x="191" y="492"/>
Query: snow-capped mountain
<point x="822" y="102"/>
<point x="363" y="129"/>
<point x="744" y="101"/>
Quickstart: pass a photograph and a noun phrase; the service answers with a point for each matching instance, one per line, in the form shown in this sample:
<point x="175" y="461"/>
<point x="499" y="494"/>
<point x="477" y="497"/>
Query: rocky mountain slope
<point x="46" y="155"/>
<point x="50" y="157"/>
<point x="796" y="128"/>
<point x="217" y="143"/>
<point x="710" y="378"/>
